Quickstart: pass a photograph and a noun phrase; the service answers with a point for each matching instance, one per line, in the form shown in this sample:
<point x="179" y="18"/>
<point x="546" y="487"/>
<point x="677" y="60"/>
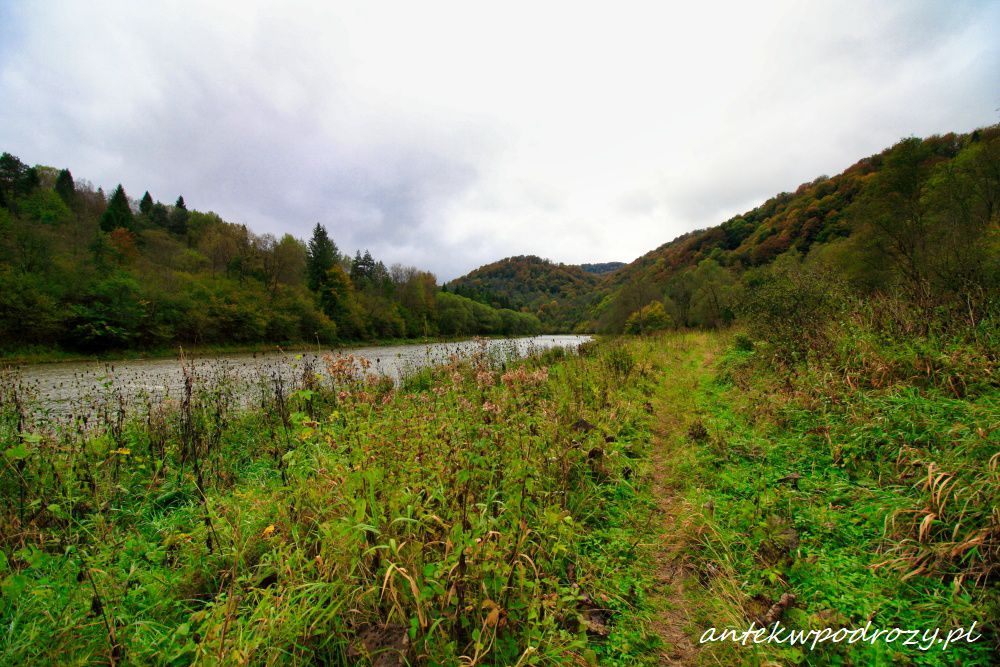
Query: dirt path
<point x="676" y="409"/>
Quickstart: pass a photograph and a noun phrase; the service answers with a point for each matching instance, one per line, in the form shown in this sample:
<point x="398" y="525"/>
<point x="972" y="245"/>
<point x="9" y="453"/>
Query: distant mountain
<point x="602" y="268"/>
<point x="561" y="295"/>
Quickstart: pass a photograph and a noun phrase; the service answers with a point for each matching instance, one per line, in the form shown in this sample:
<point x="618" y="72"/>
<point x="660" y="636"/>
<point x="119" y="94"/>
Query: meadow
<point x="601" y="507"/>
<point x="483" y="511"/>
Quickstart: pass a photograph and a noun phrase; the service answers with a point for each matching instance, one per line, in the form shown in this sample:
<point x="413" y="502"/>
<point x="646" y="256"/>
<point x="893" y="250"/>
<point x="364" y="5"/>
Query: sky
<point x="447" y="135"/>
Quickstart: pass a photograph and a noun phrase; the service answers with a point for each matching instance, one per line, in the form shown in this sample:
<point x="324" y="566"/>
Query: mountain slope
<point x="561" y="295"/>
<point x="819" y="214"/>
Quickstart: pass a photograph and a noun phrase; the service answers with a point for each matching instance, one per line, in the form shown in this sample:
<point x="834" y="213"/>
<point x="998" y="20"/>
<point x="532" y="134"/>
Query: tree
<point x="178" y="220"/>
<point x="364" y="270"/>
<point x="649" y="318"/>
<point x="897" y="216"/>
<point x="630" y="299"/>
<point x="712" y="297"/>
<point x="963" y="202"/>
<point x="108" y="315"/>
<point x="65" y="187"/>
<point x="289" y="262"/>
<point x="146" y="204"/>
<point x="118" y="213"/>
<point x="680" y="290"/>
<point x="123" y="243"/>
<point x="159" y="216"/>
<point x="791" y="305"/>
<point x="340" y="304"/>
<point x="322" y="255"/>
<point x="15" y="179"/>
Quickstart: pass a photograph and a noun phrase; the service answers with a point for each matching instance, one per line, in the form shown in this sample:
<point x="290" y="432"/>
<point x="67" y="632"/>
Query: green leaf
<point x="17" y="452"/>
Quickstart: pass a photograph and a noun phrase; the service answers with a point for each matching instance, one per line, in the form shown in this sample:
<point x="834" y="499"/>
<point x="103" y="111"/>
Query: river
<point x="75" y="388"/>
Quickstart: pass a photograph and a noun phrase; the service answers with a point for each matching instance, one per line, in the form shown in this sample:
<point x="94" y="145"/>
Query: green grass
<point x="846" y="537"/>
<point x="502" y="512"/>
<point x="485" y="514"/>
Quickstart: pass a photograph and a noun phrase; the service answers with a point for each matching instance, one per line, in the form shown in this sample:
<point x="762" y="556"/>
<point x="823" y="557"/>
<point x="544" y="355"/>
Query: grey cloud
<point x="258" y="113"/>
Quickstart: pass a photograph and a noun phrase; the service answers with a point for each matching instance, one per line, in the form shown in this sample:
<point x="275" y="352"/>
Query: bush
<point x="791" y="305"/>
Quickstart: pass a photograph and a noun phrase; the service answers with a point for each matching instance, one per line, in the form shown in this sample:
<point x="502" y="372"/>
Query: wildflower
<point x="484" y="379"/>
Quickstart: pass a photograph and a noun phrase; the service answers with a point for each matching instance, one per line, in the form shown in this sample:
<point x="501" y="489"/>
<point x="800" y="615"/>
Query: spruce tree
<point x="146" y="204"/>
<point x="363" y="269"/>
<point x="65" y="187"/>
<point x="179" y="218"/>
<point x="118" y="213"/>
<point x="323" y="254"/>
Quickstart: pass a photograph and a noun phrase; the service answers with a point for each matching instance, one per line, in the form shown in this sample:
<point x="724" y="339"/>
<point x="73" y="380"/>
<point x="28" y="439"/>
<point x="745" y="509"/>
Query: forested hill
<point x="899" y="220"/>
<point x="86" y="272"/>
<point x="561" y="295"/>
<point x="602" y="267"/>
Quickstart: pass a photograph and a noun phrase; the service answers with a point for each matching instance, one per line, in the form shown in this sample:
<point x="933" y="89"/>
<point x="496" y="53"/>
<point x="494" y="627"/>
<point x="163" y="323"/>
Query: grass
<point x="605" y="507"/>
<point x="488" y="513"/>
<point x="867" y="504"/>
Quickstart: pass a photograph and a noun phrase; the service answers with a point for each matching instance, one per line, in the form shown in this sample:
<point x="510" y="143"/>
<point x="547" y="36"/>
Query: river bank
<point x="73" y="386"/>
<point x="47" y="355"/>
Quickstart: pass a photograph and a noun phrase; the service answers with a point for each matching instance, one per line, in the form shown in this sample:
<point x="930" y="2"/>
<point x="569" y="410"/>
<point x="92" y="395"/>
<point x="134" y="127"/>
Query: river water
<point x="65" y="388"/>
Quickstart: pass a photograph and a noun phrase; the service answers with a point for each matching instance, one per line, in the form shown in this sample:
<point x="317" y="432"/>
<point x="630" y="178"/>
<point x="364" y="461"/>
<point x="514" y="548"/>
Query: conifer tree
<point x="118" y="213"/>
<point x="178" y="218"/>
<point x="65" y="187"/>
<point x="322" y="255"/>
<point x="146" y="204"/>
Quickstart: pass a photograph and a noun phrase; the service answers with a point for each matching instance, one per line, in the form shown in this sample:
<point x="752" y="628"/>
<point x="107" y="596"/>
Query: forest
<point x="84" y="272"/>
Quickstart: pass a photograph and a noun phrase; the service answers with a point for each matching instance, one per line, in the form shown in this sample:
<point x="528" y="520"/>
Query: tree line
<point x="83" y="271"/>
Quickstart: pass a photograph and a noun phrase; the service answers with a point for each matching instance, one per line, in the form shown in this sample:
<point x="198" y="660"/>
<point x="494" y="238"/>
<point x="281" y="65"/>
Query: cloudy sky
<point x="448" y="135"/>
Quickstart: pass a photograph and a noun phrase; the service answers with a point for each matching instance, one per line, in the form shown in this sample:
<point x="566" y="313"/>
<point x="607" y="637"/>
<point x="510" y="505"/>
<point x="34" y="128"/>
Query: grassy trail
<point x="688" y="360"/>
<point x="791" y="501"/>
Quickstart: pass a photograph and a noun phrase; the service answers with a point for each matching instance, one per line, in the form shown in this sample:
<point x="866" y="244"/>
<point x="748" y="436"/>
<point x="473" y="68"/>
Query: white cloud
<point x="451" y="134"/>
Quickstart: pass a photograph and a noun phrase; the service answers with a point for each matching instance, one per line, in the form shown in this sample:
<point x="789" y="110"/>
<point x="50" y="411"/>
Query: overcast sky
<point x="449" y="135"/>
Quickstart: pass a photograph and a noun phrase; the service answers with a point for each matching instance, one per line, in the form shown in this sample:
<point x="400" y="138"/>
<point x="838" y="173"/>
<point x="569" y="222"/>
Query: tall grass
<point x="862" y="479"/>
<point x="481" y="512"/>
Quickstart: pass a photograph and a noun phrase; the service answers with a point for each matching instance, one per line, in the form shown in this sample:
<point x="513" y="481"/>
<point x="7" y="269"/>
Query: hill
<point x="602" y="268"/>
<point x="849" y="215"/>
<point x="561" y="295"/>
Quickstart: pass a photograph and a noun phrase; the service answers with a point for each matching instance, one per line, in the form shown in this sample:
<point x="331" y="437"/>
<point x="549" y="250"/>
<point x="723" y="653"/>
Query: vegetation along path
<point x="688" y="359"/>
<point x="806" y="499"/>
